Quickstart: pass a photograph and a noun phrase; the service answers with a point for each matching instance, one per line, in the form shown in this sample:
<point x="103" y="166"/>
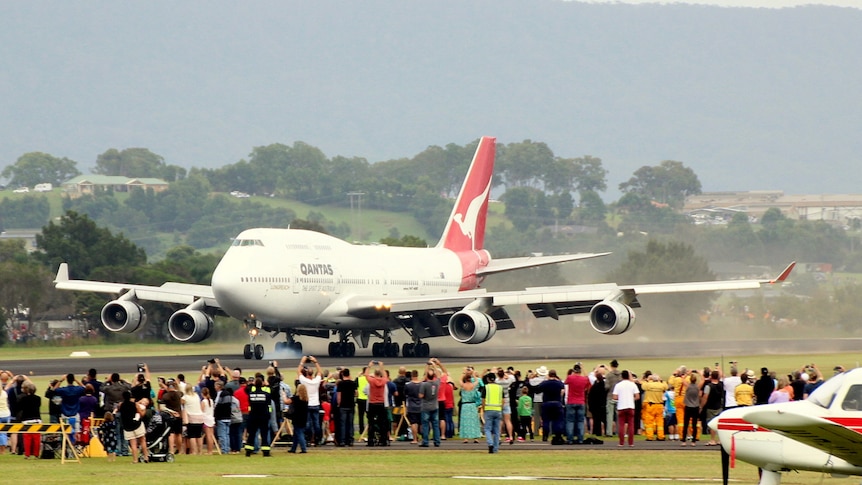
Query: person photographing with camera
<point x="311" y="379"/>
<point x="378" y="418"/>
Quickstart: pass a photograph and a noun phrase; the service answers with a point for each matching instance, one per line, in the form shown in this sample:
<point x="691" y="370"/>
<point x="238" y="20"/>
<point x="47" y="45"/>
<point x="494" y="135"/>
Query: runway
<point x="473" y="354"/>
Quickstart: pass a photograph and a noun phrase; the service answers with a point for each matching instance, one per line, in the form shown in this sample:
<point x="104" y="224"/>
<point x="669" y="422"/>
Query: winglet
<point x="62" y="273"/>
<point x="784" y="274"/>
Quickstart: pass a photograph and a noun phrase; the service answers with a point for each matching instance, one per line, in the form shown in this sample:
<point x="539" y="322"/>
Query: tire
<point x="424" y="350"/>
<point x="246" y="351"/>
<point x="351" y="349"/>
<point x="258" y="352"/>
<point x="376" y="349"/>
<point x="332" y="350"/>
<point x="407" y="350"/>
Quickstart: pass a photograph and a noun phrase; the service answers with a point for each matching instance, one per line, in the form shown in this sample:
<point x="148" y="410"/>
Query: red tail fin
<point x="465" y="230"/>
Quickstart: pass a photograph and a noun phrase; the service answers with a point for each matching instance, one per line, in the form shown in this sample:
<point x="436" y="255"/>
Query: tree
<point x="589" y="175"/>
<point x="671" y="262"/>
<point x="77" y="239"/>
<point x="407" y="241"/>
<point x="37" y="167"/>
<point x="26" y="212"/>
<point x="137" y="162"/>
<point x="524" y="164"/>
<point x="592" y="210"/>
<point x="669" y="183"/>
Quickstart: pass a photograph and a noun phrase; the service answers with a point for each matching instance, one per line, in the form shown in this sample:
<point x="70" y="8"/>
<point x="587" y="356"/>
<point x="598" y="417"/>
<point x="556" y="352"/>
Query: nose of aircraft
<point x="227" y="286"/>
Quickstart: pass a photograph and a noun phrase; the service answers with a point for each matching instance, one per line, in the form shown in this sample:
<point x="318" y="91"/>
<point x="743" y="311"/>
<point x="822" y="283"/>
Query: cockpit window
<point x="247" y="242"/>
<point x="853" y="399"/>
<point x="825" y="394"/>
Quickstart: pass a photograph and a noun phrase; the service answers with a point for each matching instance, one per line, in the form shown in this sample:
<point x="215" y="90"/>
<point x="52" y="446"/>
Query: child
<point x="108" y="436"/>
<point x="525" y="414"/>
<point x="670" y="415"/>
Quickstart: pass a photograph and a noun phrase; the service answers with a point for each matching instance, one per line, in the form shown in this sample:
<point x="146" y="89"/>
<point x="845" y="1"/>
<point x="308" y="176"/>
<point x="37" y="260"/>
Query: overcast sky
<point x="745" y="3"/>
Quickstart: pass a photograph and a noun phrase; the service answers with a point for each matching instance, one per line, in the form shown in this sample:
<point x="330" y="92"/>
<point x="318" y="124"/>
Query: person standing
<point x="29" y="408"/>
<point x="653" y="407"/>
<point x="312" y="380"/>
<point x="299" y="403"/>
<point x="113" y="391"/>
<point x="492" y="403"/>
<point x="346" y="400"/>
<point x="70" y="394"/>
<point x="260" y="402"/>
<point x="378" y="419"/>
<point x="525" y="415"/>
<point x="625" y="393"/>
<point x="133" y="425"/>
<point x="533" y="382"/>
<point x="691" y="401"/>
<point x="612" y="378"/>
<point x="597" y="400"/>
<point x="577" y="387"/>
<point x="469" y="426"/>
<point x="552" y="408"/>
<point x="763" y="387"/>
<point x="428" y="392"/>
<point x="414" y="404"/>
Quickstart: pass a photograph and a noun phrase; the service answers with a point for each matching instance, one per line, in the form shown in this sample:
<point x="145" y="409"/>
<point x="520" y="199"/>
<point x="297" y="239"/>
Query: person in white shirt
<point x="311" y="379"/>
<point x="730" y="384"/>
<point x="625" y="393"/>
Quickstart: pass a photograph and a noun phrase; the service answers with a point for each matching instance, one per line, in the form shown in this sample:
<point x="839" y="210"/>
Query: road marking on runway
<point x="590" y="479"/>
<point x="246" y="476"/>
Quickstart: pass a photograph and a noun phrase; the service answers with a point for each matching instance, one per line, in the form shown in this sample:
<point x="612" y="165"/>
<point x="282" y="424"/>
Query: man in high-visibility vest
<point x="492" y="404"/>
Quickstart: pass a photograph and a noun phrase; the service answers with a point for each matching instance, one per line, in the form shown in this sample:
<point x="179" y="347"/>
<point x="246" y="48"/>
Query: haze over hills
<point x="748" y="98"/>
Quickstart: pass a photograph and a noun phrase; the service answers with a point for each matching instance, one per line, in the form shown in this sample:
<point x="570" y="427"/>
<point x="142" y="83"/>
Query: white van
<point x="46" y="187"/>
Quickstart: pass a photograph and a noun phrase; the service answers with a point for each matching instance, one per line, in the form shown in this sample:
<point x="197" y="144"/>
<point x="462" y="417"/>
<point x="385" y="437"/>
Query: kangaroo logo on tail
<point x="471" y="207"/>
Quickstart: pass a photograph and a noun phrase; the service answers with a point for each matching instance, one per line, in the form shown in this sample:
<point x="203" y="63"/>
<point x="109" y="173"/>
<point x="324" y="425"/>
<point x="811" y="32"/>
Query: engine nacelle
<point x="612" y="317"/>
<point x="123" y="316"/>
<point x="190" y="325"/>
<point x="472" y="327"/>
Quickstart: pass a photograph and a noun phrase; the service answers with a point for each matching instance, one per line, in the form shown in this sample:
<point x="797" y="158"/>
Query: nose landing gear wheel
<point x="258" y="351"/>
<point x="246" y="351"/>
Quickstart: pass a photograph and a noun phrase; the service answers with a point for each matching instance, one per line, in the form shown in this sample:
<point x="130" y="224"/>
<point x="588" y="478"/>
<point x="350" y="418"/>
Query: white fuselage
<point x="289" y="278"/>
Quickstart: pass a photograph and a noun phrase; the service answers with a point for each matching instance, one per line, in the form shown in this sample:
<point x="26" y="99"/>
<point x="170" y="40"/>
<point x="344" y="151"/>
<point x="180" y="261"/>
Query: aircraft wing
<point x="509" y="264"/>
<point x="433" y="312"/>
<point x="830" y="435"/>
<point x="170" y="292"/>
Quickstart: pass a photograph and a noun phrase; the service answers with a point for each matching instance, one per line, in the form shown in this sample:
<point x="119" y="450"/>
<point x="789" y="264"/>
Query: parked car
<point x="21" y="190"/>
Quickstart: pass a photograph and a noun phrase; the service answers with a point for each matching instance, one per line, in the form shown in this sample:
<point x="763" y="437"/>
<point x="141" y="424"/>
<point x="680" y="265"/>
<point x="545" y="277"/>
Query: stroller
<point x="158" y="437"/>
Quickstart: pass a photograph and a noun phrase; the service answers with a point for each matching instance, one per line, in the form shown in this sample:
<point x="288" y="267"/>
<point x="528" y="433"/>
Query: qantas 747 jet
<point x="304" y="283"/>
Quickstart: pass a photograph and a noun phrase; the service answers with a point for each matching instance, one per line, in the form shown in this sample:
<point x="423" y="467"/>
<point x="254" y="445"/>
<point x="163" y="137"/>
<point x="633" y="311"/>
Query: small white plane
<point x="821" y="434"/>
<point x="303" y="283"/>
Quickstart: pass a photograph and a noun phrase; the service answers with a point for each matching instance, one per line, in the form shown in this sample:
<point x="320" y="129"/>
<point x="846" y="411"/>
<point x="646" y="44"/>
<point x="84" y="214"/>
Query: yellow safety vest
<point x="493" y="397"/>
<point x="361" y="382"/>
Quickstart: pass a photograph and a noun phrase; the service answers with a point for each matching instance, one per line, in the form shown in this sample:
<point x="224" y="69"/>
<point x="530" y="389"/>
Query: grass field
<point x="376" y="466"/>
<point x="398" y="465"/>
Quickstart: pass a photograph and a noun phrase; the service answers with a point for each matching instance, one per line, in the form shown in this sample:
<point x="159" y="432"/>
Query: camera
<point x="140" y="367"/>
<point x="270" y="363"/>
<point x="211" y="361"/>
<point x="375" y="362"/>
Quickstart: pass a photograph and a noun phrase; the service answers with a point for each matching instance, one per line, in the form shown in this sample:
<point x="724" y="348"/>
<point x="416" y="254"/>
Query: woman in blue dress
<point x="469" y="426"/>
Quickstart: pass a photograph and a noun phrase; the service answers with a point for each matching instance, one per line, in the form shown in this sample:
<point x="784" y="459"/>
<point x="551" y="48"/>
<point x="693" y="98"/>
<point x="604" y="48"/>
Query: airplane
<point x="822" y="433"/>
<point x="304" y="283"/>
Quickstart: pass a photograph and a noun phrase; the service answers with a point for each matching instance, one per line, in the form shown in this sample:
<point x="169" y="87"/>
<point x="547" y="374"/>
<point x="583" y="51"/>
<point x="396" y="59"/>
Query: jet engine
<point x="190" y="325"/>
<point x="123" y="316"/>
<point x="612" y="317"/>
<point x="472" y="327"/>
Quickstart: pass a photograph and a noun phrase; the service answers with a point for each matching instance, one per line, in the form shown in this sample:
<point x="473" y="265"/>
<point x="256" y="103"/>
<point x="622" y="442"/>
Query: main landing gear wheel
<point x="258" y="351"/>
<point x="341" y="349"/>
<point x="383" y="349"/>
<point x="247" y="351"/>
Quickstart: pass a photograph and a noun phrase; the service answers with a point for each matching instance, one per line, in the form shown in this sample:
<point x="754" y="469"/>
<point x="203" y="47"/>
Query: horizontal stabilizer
<point x="510" y="264"/>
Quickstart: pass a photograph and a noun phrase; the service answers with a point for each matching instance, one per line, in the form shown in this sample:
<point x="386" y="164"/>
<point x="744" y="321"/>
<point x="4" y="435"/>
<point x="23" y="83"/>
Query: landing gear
<point x="384" y="349"/>
<point x="251" y="349"/>
<point x="342" y="349"/>
<point x="290" y="345"/>
<point x="419" y="349"/>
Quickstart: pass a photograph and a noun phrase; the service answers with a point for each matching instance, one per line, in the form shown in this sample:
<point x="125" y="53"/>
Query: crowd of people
<point x="223" y="411"/>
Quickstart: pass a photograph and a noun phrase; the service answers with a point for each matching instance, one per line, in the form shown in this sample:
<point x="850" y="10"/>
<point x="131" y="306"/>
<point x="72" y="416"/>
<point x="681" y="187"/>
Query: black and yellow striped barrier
<point x="35" y="428"/>
<point x="52" y="428"/>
